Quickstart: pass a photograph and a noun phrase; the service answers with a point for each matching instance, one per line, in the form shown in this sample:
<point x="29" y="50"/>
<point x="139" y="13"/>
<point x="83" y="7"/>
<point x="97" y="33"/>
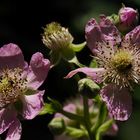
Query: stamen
<point x="12" y="85"/>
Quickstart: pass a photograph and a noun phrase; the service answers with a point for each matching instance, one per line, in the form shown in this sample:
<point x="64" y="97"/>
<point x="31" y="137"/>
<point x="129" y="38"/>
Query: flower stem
<point x="87" y="117"/>
<point x="72" y="116"/>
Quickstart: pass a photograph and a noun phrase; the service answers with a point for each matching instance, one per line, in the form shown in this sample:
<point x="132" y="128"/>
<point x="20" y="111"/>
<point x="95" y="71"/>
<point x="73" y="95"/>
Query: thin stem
<point x="87" y="117"/>
<point x="72" y="116"/>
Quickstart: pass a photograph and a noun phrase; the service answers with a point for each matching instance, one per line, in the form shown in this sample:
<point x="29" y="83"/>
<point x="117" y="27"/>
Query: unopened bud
<point x="128" y="19"/>
<point x="88" y="87"/>
<point x="57" y="126"/>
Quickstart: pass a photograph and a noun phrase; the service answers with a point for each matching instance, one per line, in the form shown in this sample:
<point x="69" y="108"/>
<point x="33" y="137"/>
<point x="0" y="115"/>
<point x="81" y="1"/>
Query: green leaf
<point x="74" y="132"/>
<point x="78" y="47"/>
<point x="104" y="128"/>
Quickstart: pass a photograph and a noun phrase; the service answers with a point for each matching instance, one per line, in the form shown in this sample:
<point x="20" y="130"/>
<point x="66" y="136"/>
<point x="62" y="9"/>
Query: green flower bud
<point x="57" y="126"/>
<point x="56" y="37"/>
<point x="88" y="87"/>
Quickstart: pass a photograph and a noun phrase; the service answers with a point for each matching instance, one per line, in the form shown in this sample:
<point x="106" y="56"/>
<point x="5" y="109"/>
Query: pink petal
<point x="14" y="132"/>
<point x="7" y="117"/>
<point x="94" y="73"/>
<point x="38" y="72"/>
<point x="104" y="32"/>
<point x="93" y="34"/>
<point x="110" y="32"/>
<point x="11" y="56"/>
<point x="113" y="130"/>
<point x="118" y="101"/>
<point x="133" y="37"/>
<point x="32" y="105"/>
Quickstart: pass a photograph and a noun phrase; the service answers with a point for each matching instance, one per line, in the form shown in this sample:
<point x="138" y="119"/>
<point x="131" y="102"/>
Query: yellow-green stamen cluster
<point x="12" y="85"/>
<point x="55" y="36"/>
<point x="122" y="61"/>
<point x="121" y="68"/>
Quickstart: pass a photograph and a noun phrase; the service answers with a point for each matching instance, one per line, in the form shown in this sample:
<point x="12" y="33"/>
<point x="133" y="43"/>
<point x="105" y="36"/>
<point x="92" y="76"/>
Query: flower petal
<point x="11" y="56"/>
<point x="7" y="117"/>
<point x="38" y="71"/>
<point x="14" y="132"/>
<point x="104" y="32"/>
<point x="109" y="30"/>
<point x="132" y="38"/>
<point x="118" y="101"/>
<point x="94" y="73"/>
<point x="32" y="105"/>
<point x="93" y="34"/>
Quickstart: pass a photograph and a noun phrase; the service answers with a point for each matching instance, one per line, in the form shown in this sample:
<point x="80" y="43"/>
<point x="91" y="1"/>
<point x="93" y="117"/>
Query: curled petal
<point x="94" y="73"/>
<point x="32" y="105"/>
<point x="38" y="71"/>
<point x="118" y="101"/>
<point x="14" y="132"/>
<point x="11" y="56"/>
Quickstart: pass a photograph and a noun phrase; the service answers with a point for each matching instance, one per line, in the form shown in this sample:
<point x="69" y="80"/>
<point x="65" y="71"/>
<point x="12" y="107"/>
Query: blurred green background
<point x="21" y="22"/>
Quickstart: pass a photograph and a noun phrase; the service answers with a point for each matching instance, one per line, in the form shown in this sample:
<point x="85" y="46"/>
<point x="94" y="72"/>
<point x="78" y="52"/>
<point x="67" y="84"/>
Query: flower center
<point x="12" y="85"/>
<point x="122" y="61"/>
<point x="56" y="37"/>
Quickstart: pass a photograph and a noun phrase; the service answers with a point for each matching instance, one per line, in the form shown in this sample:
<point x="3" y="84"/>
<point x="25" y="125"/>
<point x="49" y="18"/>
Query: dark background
<point x="21" y="22"/>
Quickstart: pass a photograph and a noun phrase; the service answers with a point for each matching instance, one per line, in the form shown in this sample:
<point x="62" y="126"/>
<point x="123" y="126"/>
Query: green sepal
<point x="29" y="91"/>
<point x="47" y="109"/>
<point x="74" y="132"/>
<point x="50" y="108"/>
<point x="18" y="105"/>
<point x="55" y="57"/>
<point x="75" y="61"/>
<point x="103" y="128"/>
<point x="78" y="47"/>
<point x="67" y="53"/>
<point x="114" y="18"/>
<point x="93" y="64"/>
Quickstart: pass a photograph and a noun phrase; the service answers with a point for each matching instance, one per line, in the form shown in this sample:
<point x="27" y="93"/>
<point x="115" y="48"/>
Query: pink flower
<point x="128" y="18"/>
<point x="19" y="97"/>
<point x="119" y="65"/>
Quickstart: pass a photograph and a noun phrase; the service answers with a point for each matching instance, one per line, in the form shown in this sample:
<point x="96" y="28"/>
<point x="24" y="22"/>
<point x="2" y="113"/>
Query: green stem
<point x="87" y="117"/>
<point x="101" y="116"/>
<point x="72" y="116"/>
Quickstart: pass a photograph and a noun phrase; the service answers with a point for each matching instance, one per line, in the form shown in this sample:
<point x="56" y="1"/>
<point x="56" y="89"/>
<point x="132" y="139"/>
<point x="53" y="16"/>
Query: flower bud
<point x="57" y="126"/>
<point x="88" y="87"/>
<point x="56" y="37"/>
<point x="128" y="19"/>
